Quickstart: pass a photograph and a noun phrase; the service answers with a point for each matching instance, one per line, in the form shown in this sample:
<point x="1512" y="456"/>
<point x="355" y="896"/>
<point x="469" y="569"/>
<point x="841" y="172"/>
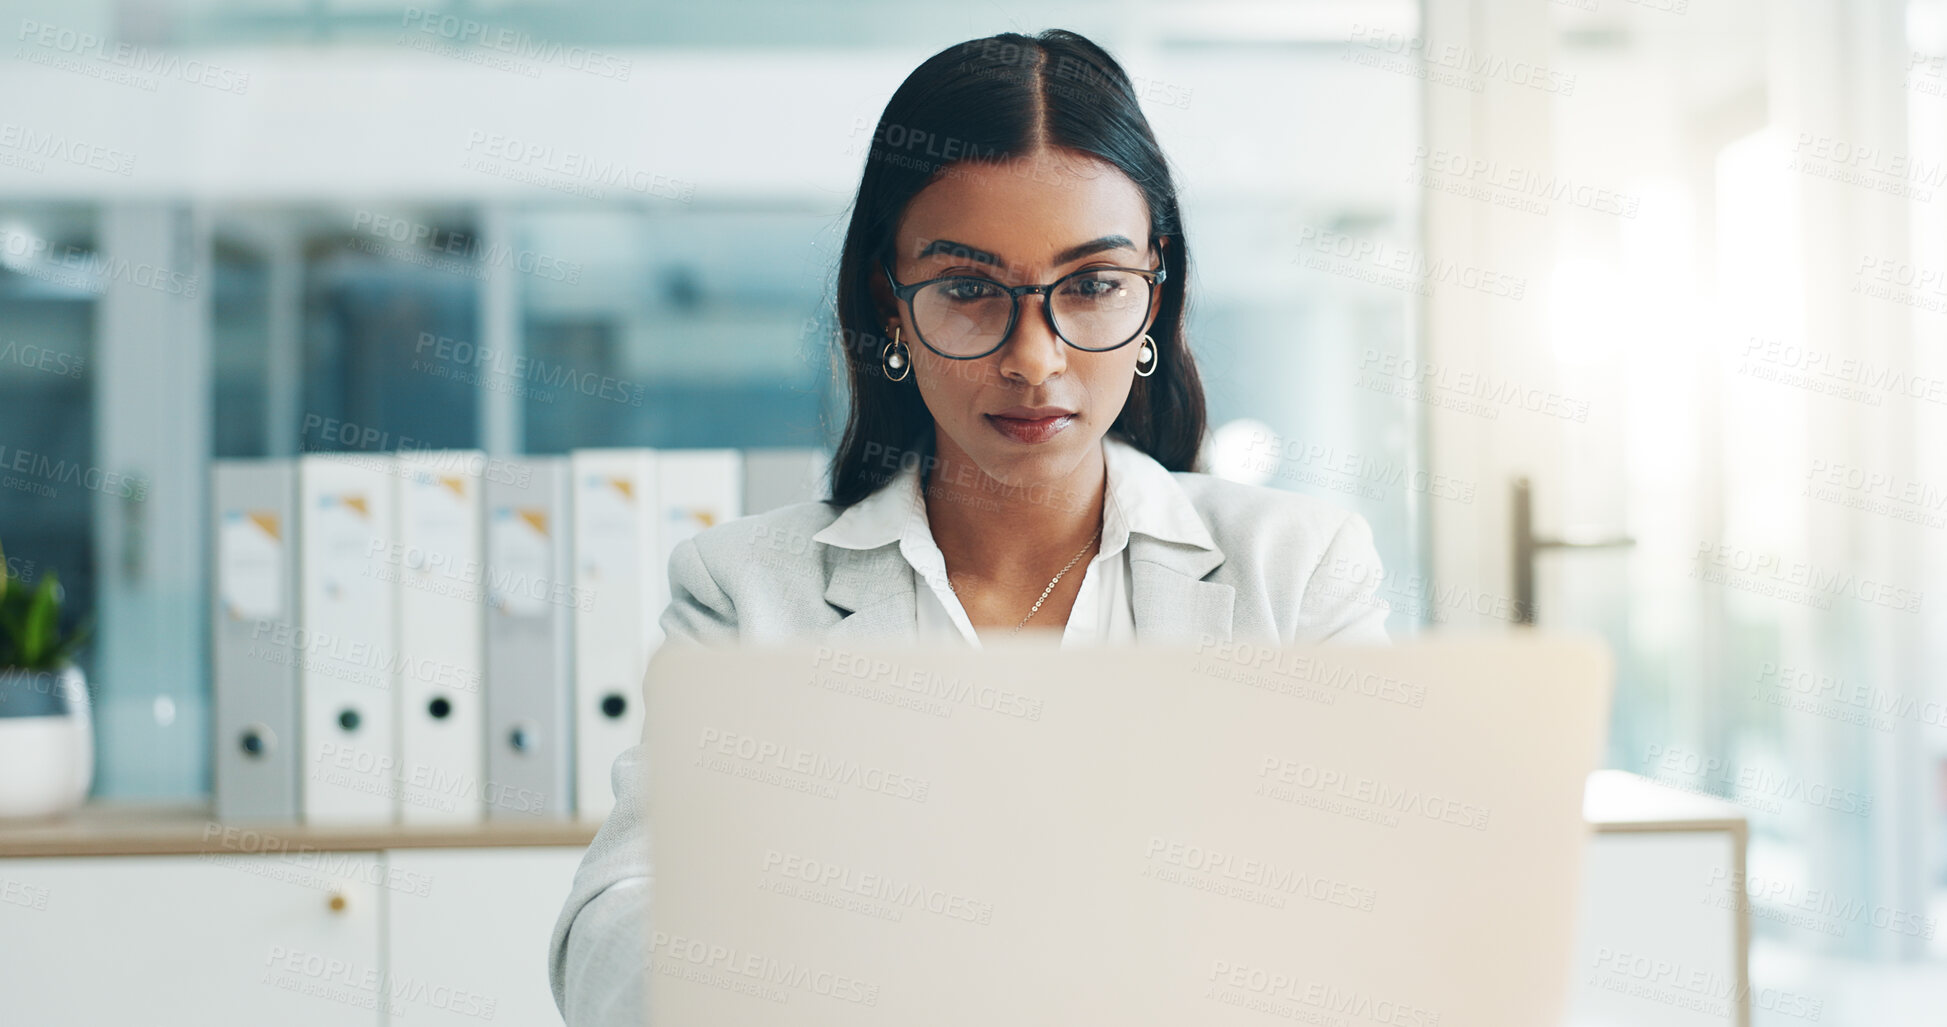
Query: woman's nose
<point x="1033" y="353"/>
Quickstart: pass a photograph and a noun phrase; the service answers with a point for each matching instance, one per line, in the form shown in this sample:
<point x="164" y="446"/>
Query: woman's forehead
<point x="1023" y="212"/>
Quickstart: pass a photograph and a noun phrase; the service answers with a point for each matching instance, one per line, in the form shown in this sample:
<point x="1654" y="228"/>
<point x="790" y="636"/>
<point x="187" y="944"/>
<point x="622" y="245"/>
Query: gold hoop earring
<point x="1148" y="352"/>
<point x="895" y="358"/>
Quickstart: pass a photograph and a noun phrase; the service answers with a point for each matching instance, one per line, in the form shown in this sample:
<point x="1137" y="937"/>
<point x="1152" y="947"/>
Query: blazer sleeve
<point x="1342" y="601"/>
<point x="598" y="959"/>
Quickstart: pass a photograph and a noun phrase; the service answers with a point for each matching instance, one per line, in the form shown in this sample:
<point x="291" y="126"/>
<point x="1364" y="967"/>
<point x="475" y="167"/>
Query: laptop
<point x="1206" y="834"/>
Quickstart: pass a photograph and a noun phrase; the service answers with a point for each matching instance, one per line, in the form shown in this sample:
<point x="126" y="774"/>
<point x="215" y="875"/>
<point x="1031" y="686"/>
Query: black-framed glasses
<point x="965" y="317"/>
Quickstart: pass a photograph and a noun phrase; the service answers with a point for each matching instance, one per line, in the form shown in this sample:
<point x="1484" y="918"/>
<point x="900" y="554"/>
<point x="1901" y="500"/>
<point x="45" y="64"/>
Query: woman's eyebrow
<point x="959" y="249"/>
<point x="1107" y="242"/>
<point x="1073" y="253"/>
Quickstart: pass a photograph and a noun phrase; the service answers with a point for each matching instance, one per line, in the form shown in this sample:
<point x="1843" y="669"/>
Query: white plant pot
<point x="47" y="742"/>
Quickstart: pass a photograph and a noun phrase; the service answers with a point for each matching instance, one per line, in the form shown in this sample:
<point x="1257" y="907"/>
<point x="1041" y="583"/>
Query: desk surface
<point x="1613" y="801"/>
<point x="1616" y="800"/>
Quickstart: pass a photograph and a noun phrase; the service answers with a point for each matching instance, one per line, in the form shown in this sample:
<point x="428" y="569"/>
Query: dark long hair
<point x="993" y="100"/>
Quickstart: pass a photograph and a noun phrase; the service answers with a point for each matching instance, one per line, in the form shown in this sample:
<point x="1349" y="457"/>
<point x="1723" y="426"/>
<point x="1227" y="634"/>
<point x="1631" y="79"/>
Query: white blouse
<point x="1104" y="608"/>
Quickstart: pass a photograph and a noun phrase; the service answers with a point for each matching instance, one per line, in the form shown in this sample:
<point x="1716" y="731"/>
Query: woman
<point x="1025" y="418"/>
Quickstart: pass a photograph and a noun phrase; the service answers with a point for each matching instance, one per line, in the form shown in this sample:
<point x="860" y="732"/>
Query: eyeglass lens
<point x="1096" y="309"/>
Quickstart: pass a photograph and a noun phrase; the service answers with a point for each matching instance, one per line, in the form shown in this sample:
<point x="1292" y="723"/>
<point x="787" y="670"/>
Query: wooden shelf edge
<point x="137" y="830"/>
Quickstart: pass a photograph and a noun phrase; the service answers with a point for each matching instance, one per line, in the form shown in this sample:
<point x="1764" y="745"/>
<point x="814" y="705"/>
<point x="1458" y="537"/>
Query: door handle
<point x="1526" y="545"/>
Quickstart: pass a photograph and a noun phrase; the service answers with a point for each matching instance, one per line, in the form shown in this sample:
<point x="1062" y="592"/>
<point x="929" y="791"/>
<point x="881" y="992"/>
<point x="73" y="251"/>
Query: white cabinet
<point x="1663" y="927"/>
<point x="1659" y="943"/>
<point x="192" y="940"/>
<point x="474" y="947"/>
<point x="416" y="936"/>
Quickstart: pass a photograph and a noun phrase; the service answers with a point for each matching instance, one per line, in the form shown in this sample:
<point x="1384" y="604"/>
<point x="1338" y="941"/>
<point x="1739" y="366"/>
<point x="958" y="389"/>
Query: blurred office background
<point x="1676" y="263"/>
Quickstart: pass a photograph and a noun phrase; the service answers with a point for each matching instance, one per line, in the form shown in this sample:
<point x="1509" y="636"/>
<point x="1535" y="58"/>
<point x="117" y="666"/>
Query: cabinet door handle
<point x="337" y="902"/>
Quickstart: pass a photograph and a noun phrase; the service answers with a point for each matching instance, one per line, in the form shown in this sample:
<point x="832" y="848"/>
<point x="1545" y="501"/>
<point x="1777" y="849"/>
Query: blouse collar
<point x="1143" y="497"/>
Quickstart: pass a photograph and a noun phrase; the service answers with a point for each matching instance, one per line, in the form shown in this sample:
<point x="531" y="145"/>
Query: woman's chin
<point x="1021" y="465"/>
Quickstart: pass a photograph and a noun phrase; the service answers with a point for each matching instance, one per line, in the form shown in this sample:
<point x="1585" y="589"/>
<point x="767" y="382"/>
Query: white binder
<point x="531" y="602"/>
<point x="346" y="638"/>
<point x="698" y="489"/>
<point x="437" y="561"/>
<point x="253" y="661"/>
<point x="616" y="575"/>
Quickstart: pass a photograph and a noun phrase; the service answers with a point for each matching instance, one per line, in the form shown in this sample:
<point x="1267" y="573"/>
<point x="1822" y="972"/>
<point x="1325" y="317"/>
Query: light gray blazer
<point x="1283" y="567"/>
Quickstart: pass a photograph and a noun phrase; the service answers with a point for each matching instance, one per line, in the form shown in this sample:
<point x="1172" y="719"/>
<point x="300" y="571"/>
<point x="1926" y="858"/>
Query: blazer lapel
<point x="1172" y="602"/>
<point x="874" y="589"/>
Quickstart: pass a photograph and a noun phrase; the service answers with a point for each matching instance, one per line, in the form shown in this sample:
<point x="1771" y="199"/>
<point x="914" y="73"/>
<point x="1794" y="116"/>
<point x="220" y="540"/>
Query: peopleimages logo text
<point x="79" y="46"/>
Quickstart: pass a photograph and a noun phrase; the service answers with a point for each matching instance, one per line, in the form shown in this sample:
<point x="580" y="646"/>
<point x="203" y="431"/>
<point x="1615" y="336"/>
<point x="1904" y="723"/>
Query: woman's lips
<point x="1029" y="429"/>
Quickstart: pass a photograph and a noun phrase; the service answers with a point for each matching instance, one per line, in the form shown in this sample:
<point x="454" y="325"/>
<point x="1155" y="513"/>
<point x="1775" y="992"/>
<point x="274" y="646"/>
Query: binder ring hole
<point x="256" y="741"/>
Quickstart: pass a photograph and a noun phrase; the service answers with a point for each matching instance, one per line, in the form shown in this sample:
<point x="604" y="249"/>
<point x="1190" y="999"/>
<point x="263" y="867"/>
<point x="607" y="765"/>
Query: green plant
<point x="30" y="624"/>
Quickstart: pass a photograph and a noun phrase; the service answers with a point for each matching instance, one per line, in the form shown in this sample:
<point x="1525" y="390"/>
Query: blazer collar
<point x="1171" y="552"/>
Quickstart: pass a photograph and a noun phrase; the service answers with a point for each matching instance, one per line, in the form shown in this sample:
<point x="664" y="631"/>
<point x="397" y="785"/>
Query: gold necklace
<point x="1051" y="582"/>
